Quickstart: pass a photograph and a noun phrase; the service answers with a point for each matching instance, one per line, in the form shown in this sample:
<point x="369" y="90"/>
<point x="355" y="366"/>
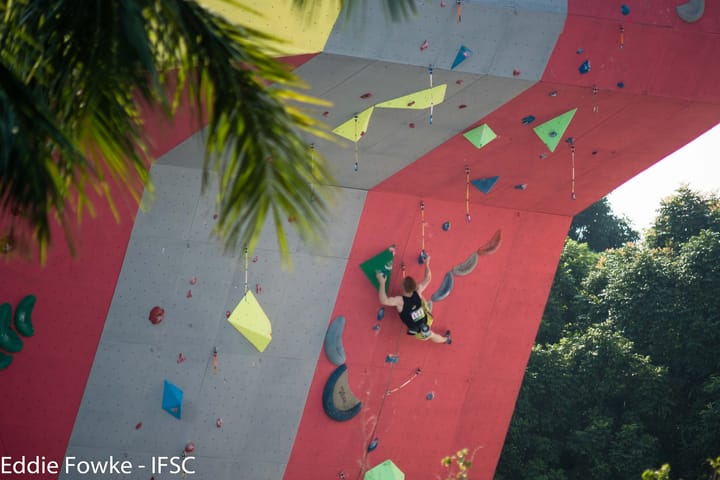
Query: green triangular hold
<point x="382" y="262"/>
<point x="485" y="184"/>
<point x="553" y="130"/>
<point x="480" y="136"/>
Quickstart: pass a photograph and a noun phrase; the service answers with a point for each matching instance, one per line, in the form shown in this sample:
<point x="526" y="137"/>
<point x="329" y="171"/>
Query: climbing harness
<point x="572" y="160"/>
<point x="467" y="194"/>
<point x="357" y="154"/>
<point x="430" y="70"/>
<point x="405" y="383"/>
<point x="423" y="254"/>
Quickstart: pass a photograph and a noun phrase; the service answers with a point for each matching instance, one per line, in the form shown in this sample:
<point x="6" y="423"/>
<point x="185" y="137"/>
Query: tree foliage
<point x="599" y="228"/>
<point x="626" y="373"/>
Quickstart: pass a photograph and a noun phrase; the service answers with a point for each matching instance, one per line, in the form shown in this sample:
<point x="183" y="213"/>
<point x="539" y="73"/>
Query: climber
<point x="412" y="307"/>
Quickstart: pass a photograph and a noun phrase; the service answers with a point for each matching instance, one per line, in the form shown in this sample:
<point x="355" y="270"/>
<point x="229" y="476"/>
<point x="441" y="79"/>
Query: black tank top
<point x="413" y="313"/>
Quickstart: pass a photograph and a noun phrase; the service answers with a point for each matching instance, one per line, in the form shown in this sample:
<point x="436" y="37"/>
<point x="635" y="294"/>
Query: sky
<point x="696" y="164"/>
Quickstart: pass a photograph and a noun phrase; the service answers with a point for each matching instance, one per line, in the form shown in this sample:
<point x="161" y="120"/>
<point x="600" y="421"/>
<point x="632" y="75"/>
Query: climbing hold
<point x="5" y="360"/>
<point x="373" y="445"/>
<point x="584" y="67"/>
<point x="339" y="402"/>
<point x="516" y="72"/>
<point x="424" y="45"/>
<point x="250" y="320"/>
<point x="334" y="348"/>
<point x="467" y="266"/>
<point x="485" y="184"/>
<point x="255" y="259"/>
<point x="528" y="120"/>
<point x="381" y="313"/>
<point x="446" y="226"/>
<point x="382" y="262"/>
<point x="462" y="55"/>
<point x="480" y="136"/>
<point x="193" y="280"/>
<point x="215" y="216"/>
<point x="325" y="113"/>
<point x="443" y="4"/>
<point x="691" y="11"/>
<point x="218" y="423"/>
<point x="172" y="399"/>
<point x="621" y="85"/>
<point x="228" y="313"/>
<point x="423" y="99"/>
<point x="624" y="9"/>
<point x="189" y="294"/>
<point x="570" y="140"/>
<point x="551" y="131"/>
<point x="352" y="128"/>
<point x="258" y="288"/>
<point x="138" y="426"/>
<point x="492" y="245"/>
<point x="390" y="358"/>
<point x="579" y="51"/>
<point x="376" y="327"/>
<point x="366" y="95"/>
<point x="445" y="288"/>
<point x="461" y="106"/>
<point x="411" y="103"/>
<point x="190" y="447"/>
<point x="421" y="257"/>
<point x="594" y="152"/>
<point x="157" y="315"/>
<point x="430" y="396"/>
<point x="9" y="340"/>
<point x="521" y="186"/>
<point x="542" y="155"/>
<point x="23" y="316"/>
<point x="467" y="218"/>
<point x="181" y="358"/>
<point x="411" y="125"/>
<point x="554" y="93"/>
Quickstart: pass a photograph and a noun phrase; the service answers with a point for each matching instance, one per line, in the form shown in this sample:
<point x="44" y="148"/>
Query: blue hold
<point x="172" y="399"/>
<point x="446" y="226"/>
<point x="528" y="120"/>
<point x="585" y="67"/>
<point x="430" y="396"/>
<point x="621" y="85"/>
<point x="421" y="258"/>
<point x="373" y="445"/>
<point x="381" y="313"/>
<point x="625" y="9"/>
<point x="392" y="358"/>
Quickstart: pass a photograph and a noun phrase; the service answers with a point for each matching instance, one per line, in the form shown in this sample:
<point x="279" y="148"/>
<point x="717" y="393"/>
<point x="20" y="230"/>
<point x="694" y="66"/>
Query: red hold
<point x="366" y="95"/>
<point x="228" y="313"/>
<point x="461" y="106"/>
<point x="189" y="294"/>
<point x="138" y="426"/>
<point x="181" y="358"/>
<point x="516" y="73"/>
<point x="157" y="315"/>
<point x="218" y="423"/>
<point x="424" y="46"/>
<point x="193" y="280"/>
<point x="258" y="288"/>
<point x="190" y="447"/>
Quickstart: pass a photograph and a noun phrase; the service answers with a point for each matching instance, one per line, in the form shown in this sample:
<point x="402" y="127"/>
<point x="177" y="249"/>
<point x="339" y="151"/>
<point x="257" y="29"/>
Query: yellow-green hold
<point x="23" y="316"/>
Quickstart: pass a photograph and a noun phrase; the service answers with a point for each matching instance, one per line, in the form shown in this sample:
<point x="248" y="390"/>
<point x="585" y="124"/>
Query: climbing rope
<point x="572" y="160"/>
<point x="423" y="253"/>
<point x="246" y="272"/>
<point x="430" y="70"/>
<point x="595" y="94"/>
<point x="357" y="155"/>
<point x="405" y="383"/>
<point x="467" y="194"/>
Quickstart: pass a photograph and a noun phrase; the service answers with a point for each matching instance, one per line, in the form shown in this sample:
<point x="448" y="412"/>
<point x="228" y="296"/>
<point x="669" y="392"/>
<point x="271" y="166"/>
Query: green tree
<point x="586" y="410"/>
<point x="600" y="228"/>
<point x="72" y="74"/>
<point x="566" y="305"/>
<point x="683" y="215"/>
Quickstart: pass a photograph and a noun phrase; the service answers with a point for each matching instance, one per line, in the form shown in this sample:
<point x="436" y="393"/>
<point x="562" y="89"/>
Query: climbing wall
<point x="173" y="262"/>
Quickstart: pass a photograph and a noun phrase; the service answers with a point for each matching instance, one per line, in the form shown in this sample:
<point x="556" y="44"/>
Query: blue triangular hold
<point x="485" y="184"/>
<point x="461" y="56"/>
<point x="172" y="400"/>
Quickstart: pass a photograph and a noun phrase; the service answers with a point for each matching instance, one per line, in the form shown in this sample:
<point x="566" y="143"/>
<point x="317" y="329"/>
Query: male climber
<point x="413" y="309"/>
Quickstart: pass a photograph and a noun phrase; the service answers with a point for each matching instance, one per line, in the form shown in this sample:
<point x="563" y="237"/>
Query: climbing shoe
<point x="448" y="339"/>
<point x="9" y="340"/>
